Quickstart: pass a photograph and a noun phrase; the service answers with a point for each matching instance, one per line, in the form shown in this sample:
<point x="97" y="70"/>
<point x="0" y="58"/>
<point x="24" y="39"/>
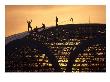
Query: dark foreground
<point x="66" y="48"/>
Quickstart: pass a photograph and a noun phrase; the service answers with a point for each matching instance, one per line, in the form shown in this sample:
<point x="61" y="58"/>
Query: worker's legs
<point x="56" y="24"/>
<point x="28" y="29"/>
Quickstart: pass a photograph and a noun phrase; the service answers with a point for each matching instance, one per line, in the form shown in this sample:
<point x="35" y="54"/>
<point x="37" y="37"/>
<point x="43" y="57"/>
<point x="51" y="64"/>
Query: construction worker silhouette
<point x="56" y="21"/>
<point x="71" y="20"/>
<point x="29" y="25"/>
<point x="36" y="27"/>
<point x="43" y="26"/>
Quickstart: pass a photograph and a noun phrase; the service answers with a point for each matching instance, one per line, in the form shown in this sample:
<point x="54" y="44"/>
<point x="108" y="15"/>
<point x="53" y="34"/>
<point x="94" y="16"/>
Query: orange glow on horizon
<point x="16" y="16"/>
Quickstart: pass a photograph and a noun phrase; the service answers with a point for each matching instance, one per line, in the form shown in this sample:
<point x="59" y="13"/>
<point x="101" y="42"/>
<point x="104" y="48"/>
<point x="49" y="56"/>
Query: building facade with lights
<point x="66" y="48"/>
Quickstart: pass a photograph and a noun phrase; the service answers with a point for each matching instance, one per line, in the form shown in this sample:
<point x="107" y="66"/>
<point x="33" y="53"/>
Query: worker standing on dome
<point x="56" y="21"/>
<point x="29" y="25"/>
<point x="71" y="20"/>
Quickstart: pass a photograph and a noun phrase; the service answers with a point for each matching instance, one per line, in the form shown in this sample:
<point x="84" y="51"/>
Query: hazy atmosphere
<point x="16" y="16"/>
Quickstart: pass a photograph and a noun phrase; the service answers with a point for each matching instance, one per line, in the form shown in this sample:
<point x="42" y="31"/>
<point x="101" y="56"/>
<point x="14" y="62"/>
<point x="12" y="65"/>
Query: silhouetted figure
<point x="29" y="25"/>
<point x="36" y="27"/>
<point x="89" y="19"/>
<point x="43" y="26"/>
<point x="71" y="20"/>
<point x="56" y="21"/>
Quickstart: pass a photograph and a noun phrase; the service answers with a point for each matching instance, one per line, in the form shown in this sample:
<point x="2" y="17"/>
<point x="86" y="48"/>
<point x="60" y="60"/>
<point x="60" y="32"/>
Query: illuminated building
<point x="56" y="44"/>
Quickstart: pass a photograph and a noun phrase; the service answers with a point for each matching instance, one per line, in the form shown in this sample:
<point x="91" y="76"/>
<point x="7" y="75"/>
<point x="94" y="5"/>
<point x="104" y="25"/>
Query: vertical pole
<point x="89" y="19"/>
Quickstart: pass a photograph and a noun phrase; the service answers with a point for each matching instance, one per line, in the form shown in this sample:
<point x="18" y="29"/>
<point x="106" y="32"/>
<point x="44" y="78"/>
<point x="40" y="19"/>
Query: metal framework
<point x="66" y="48"/>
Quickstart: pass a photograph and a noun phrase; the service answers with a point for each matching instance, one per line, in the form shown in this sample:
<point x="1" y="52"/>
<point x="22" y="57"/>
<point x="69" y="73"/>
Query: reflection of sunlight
<point x="40" y="59"/>
<point x="50" y="64"/>
<point x="62" y="64"/>
<point x="77" y="60"/>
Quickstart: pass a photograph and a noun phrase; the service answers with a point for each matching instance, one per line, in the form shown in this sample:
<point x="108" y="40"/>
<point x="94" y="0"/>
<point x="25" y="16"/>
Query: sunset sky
<point x="16" y="16"/>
